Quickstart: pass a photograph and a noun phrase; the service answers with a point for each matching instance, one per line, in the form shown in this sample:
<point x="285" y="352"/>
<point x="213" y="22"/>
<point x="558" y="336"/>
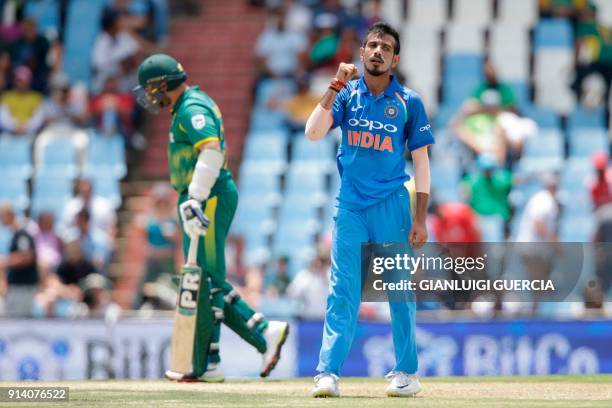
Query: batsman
<point x="208" y="198"/>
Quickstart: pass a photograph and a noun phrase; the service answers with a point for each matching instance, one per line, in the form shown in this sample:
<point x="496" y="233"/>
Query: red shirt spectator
<point x="601" y="188"/>
<point x="455" y="222"/>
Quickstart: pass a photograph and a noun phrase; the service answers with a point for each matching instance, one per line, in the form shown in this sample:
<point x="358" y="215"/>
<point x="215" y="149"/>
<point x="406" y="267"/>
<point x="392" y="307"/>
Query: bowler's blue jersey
<point x="376" y="131"/>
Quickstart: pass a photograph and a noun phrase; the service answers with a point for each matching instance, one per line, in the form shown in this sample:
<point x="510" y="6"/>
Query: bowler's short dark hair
<point x="381" y="29"/>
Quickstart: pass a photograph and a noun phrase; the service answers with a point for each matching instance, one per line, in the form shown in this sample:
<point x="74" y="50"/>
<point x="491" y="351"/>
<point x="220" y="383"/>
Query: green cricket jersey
<point x="196" y="119"/>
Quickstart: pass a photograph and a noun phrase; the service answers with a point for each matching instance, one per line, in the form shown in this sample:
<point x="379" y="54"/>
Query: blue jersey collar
<point x="390" y="91"/>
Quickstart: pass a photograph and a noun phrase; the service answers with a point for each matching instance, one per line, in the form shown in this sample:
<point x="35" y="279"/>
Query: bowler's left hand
<point x="418" y="234"/>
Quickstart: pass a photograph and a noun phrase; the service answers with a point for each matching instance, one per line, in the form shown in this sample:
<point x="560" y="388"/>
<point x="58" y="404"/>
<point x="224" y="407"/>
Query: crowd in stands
<point x="503" y="184"/>
<point x="71" y="132"/>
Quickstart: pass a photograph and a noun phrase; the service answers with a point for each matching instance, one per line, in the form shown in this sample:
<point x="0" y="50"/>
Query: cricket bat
<point x="183" y="334"/>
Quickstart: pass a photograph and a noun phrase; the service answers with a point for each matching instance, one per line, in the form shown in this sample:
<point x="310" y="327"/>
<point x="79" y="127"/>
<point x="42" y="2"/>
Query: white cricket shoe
<point x="275" y="334"/>
<point x="213" y="374"/>
<point x="326" y="385"/>
<point x="402" y="384"/>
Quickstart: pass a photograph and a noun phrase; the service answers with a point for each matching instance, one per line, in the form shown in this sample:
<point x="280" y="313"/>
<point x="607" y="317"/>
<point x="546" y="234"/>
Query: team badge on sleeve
<point x="198" y="121"/>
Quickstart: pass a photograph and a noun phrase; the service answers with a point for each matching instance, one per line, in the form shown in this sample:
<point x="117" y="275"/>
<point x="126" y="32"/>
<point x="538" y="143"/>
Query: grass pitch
<point x="524" y="392"/>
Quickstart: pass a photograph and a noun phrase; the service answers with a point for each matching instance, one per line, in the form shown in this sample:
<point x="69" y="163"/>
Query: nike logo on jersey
<point x="356" y="108"/>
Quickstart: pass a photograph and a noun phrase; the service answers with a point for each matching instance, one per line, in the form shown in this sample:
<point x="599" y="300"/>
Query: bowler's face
<point x="378" y="54"/>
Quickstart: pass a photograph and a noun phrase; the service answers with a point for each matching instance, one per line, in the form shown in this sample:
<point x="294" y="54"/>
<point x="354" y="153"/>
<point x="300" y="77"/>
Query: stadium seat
<point x="392" y="11"/>
<point x="475" y="12"/>
<point x="15" y="157"/>
<point x="306" y="177"/>
<point x="266" y="148"/>
<point x="15" y="191"/>
<point x="509" y="51"/>
<point x="553" y="33"/>
<point x="604" y="12"/>
<point x="302" y="206"/>
<point x="521" y="92"/>
<point x="273" y="88"/>
<point x="577" y="171"/>
<point x="464" y="38"/>
<point x="463" y="64"/>
<point x="292" y="236"/>
<point x="82" y="26"/>
<point x="107" y="186"/>
<point x="587" y="118"/>
<point x="322" y="151"/>
<point x="492" y="228"/>
<point x="545" y="118"/>
<point x="259" y="182"/>
<point x="586" y="142"/>
<point x="543" y="152"/>
<point x="433" y="13"/>
<point x="59" y="159"/>
<point x="576" y="229"/>
<point x="105" y="155"/>
<point x="265" y="119"/>
<point x="5" y="240"/>
<point x="46" y="15"/>
<point x="520" y="12"/>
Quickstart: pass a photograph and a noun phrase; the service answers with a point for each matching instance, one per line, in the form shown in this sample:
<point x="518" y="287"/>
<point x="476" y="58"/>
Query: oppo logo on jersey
<point x="372" y="125"/>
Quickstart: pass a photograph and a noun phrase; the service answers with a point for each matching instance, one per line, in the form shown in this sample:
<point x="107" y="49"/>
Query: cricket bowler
<point x="379" y="119"/>
<point x="208" y="198"/>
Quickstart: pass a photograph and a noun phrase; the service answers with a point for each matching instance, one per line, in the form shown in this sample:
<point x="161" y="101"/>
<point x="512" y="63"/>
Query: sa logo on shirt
<point x="198" y="121"/>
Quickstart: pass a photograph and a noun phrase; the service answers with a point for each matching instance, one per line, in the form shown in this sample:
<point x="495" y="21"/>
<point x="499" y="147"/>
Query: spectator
<point x="162" y="231"/>
<point x="19" y="274"/>
<point x="113" y="110"/>
<point x="310" y="287"/>
<point x="325" y="42"/>
<point x="95" y="245"/>
<point x="454" y="222"/>
<point x="298" y="107"/>
<point x="563" y="8"/>
<point x="343" y="19"/>
<point x="22" y="109"/>
<point x="137" y="18"/>
<point x="593" y="56"/>
<point x="491" y="96"/>
<point x="602" y="238"/>
<point x="480" y="135"/>
<point x="298" y="17"/>
<point x="75" y="266"/>
<point x="114" y="52"/>
<point x="280" y="277"/>
<point x="49" y="245"/>
<point x="103" y="216"/>
<point x="515" y="131"/>
<point x="98" y="298"/>
<point x="31" y="50"/>
<point x="65" y="104"/>
<point x="252" y="290"/>
<point x="488" y="188"/>
<point x="277" y="48"/>
<point x="539" y="222"/>
<point x="601" y="187"/>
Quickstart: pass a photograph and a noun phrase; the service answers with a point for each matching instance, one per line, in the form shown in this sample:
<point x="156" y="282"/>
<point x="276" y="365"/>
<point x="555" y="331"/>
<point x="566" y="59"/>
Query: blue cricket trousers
<point x="386" y="221"/>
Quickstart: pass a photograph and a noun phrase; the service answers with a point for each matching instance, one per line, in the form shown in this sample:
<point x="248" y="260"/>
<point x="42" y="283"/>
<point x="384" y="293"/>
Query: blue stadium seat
<point x="273" y="88"/>
<point x="553" y="33"/>
<point x="521" y="93"/>
<point x="444" y="115"/>
<point x="15" y="157"/>
<point x="5" y="240"/>
<point x="463" y="64"/>
<point x="251" y="214"/>
<point x="492" y="228"/>
<point x="107" y="186"/>
<point x="105" y="155"/>
<point x="587" y="118"/>
<point x="15" y="191"/>
<point x="446" y="176"/>
<point x="577" y="229"/>
<point x="576" y="172"/>
<point x="266" y="148"/>
<point x="585" y="142"/>
<point x="544" y="118"/>
<point x="59" y="159"/>
<point x="45" y="13"/>
<point x="266" y="119"/>
<point x="306" y="178"/>
<point x="292" y="236"/>
<point x="543" y="152"/>
<point x="457" y="88"/>
<point x="82" y="26"/>
<point x="300" y="206"/>
<point x="323" y="151"/>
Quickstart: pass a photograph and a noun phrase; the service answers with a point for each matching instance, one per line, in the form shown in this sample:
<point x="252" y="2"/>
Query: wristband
<point x="336" y="85"/>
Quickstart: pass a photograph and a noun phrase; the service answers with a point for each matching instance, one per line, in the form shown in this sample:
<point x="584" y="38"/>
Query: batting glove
<point x="195" y="223"/>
